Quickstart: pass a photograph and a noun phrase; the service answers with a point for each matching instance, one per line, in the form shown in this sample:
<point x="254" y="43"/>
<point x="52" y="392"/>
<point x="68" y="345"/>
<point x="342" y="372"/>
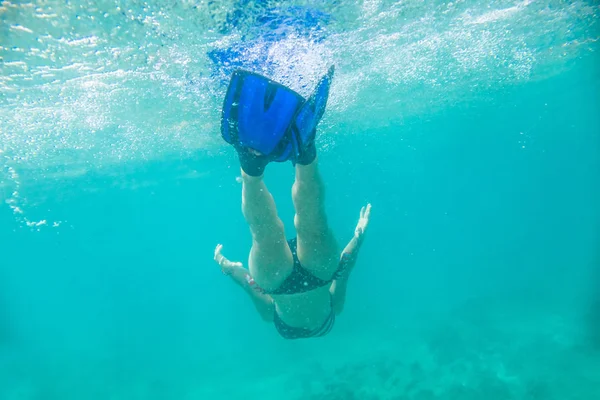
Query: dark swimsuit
<point x="300" y="281"/>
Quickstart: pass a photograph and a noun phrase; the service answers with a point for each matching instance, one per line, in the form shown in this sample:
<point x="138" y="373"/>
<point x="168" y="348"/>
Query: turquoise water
<point x="472" y="127"/>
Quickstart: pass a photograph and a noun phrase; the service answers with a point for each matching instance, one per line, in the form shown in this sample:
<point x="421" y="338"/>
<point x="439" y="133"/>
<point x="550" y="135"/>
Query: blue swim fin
<point x="307" y="118"/>
<point x="257" y="113"/>
<point x="266" y="121"/>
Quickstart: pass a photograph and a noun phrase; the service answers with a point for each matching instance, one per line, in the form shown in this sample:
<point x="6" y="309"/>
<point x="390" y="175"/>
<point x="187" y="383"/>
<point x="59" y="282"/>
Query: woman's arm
<point x="348" y="260"/>
<point x="240" y="275"/>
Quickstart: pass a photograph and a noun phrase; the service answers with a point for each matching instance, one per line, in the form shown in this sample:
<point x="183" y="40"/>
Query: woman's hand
<point x="363" y="222"/>
<point x="226" y="265"/>
<point x="348" y="257"/>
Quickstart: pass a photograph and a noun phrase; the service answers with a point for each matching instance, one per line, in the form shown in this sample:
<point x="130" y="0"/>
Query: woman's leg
<point x="271" y="259"/>
<point x="317" y="248"/>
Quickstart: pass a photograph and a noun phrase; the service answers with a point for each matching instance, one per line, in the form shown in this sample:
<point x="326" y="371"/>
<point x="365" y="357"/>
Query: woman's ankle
<point x="250" y="178"/>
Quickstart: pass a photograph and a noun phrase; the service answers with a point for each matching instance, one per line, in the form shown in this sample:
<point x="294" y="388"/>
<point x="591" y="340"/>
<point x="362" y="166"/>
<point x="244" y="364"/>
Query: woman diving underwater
<point x="298" y="284"/>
